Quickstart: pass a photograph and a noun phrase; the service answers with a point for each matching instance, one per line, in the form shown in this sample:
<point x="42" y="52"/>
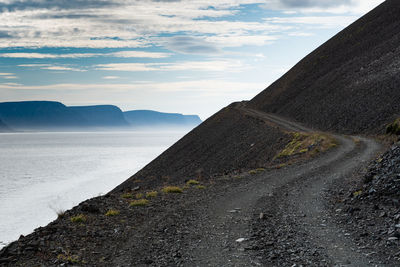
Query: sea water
<point x="44" y="173"/>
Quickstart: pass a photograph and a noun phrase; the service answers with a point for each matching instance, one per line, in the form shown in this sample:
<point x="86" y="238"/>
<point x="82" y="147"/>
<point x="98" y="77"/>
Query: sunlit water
<point x="42" y="173"/>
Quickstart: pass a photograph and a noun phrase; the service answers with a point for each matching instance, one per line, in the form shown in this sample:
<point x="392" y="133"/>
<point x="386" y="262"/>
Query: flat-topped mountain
<point x="146" y="118"/>
<point x="101" y="115"/>
<point x="39" y="115"/>
<point x="49" y="115"/>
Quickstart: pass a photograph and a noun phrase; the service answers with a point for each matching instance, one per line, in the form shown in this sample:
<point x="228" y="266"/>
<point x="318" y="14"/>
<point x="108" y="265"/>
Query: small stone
<point x="392" y="238"/>
<point x="241" y="240"/>
<point x="261" y="216"/>
<point x="382" y="214"/>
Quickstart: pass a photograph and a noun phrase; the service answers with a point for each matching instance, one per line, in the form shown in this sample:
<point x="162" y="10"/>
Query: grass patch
<point x="139" y="203"/>
<point x="151" y="194"/>
<point x="192" y="182"/>
<point x="256" y="171"/>
<point x="68" y="258"/>
<point x="112" y="212"/>
<point x="280" y="166"/>
<point x="60" y="214"/>
<point x="139" y="195"/>
<point x="201" y="187"/>
<point x="79" y="218"/>
<point x="127" y="195"/>
<point x="393" y="128"/>
<point x="172" y="189"/>
<point x="307" y="143"/>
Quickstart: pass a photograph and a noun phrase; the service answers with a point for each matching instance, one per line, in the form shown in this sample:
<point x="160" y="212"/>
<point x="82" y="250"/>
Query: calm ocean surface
<point x="41" y="173"/>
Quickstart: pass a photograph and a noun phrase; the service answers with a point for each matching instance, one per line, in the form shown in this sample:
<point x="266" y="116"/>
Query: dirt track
<point x="290" y="199"/>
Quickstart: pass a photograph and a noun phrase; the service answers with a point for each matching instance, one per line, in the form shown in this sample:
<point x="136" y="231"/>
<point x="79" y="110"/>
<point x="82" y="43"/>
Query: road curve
<point x="221" y="228"/>
<point x="299" y="189"/>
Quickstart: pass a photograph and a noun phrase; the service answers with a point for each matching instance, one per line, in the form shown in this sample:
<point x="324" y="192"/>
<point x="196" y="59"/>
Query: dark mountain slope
<point x="145" y="118"/>
<point x="101" y="115"/>
<point x="351" y="84"/>
<point x="228" y="141"/>
<point x="39" y="115"/>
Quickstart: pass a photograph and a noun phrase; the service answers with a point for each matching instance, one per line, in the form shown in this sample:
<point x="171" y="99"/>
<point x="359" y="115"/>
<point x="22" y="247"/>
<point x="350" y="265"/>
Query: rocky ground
<point x="370" y="209"/>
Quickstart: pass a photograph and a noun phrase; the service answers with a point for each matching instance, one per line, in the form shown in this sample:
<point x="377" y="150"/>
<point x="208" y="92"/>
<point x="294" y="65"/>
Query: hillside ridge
<point x="350" y="84"/>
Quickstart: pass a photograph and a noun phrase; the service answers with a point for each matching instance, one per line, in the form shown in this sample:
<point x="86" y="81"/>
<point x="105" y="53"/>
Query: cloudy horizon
<point x="191" y="57"/>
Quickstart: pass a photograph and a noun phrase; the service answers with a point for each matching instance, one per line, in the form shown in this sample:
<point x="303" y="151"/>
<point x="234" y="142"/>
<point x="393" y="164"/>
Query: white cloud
<point x="356" y="7"/>
<point x="121" y="54"/>
<point x="47" y="56"/>
<point x="317" y="21"/>
<point x="139" y="54"/>
<point x="139" y="24"/>
<point x="61" y="68"/>
<point x="127" y="67"/>
<point x="213" y="65"/>
<point x="111" y="77"/>
<point x="52" y="67"/>
<point x="125" y="24"/>
<point x="6" y="74"/>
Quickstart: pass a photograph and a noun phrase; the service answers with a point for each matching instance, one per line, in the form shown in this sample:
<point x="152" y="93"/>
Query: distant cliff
<point x="49" y="115"/>
<point x="147" y="118"/>
<point x="39" y="115"/>
<point x="4" y="127"/>
<point x="100" y="116"/>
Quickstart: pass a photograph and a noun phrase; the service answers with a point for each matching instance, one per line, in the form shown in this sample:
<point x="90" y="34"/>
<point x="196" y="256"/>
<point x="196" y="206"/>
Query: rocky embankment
<point x="370" y="211"/>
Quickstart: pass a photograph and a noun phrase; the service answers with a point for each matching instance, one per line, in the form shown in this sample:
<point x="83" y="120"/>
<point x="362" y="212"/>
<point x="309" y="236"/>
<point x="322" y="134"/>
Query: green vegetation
<point x="139" y="203"/>
<point x="256" y="171"/>
<point x="60" y="214"/>
<point x="80" y="218"/>
<point x="280" y="166"/>
<point x="68" y="258"/>
<point x="139" y="195"/>
<point x="127" y="195"/>
<point x="112" y="212"/>
<point x="303" y="143"/>
<point x="192" y="182"/>
<point x="151" y="194"/>
<point x="394" y="128"/>
<point x="200" y="187"/>
<point x="357" y="193"/>
<point x="172" y="189"/>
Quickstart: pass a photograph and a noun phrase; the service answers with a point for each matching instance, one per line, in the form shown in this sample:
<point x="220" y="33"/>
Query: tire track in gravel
<point x="204" y="230"/>
<point x="229" y="216"/>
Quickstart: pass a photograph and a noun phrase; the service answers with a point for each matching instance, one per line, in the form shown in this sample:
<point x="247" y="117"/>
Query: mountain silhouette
<point x="49" y="115"/>
<point x="144" y="118"/>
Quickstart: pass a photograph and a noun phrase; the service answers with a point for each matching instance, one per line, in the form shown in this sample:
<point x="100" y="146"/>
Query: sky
<point x="184" y="56"/>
